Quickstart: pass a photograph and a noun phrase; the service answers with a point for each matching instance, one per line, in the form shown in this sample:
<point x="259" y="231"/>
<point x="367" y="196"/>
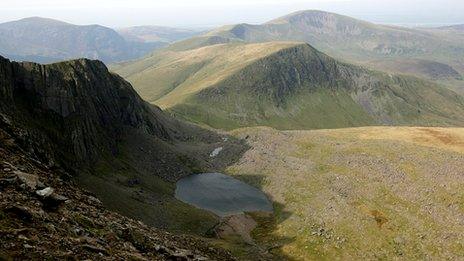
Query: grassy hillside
<point x="373" y="193"/>
<point x="285" y="85"/>
<point x="201" y="41"/>
<point x="167" y="77"/>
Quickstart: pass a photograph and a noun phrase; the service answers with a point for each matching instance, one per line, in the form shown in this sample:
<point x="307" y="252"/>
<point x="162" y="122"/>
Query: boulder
<point x="31" y="181"/>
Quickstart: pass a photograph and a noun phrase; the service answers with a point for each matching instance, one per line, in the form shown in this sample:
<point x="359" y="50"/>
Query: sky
<point x="210" y="13"/>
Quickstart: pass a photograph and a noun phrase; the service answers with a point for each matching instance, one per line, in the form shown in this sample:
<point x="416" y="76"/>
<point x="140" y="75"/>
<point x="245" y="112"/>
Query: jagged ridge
<point x="82" y="107"/>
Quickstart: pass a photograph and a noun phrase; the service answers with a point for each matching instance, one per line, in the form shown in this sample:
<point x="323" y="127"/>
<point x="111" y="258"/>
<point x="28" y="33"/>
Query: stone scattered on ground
<point x="45" y="217"/>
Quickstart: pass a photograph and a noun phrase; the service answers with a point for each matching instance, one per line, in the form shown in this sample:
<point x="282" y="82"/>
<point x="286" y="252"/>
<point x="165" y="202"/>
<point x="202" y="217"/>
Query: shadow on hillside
<point x="265" y="234"/>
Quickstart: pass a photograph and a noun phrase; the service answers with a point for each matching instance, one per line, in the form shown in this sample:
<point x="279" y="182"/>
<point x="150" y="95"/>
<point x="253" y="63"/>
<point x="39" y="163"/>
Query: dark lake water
<point x="221" y="194"/>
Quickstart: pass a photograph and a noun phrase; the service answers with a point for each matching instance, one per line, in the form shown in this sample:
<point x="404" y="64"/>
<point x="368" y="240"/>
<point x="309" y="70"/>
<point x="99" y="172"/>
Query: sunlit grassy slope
<point x="287" y="86"/>
<point x="366" y="193"/>
<point x="169" y="77"/>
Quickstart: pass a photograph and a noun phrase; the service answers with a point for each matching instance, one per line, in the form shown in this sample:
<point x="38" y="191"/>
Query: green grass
<point x="308" y="110"/>
<point x="156" y="206"/>
<point x="349" y="196"/>
<point x="168" y="77"/>
<point x="198" y="42"/>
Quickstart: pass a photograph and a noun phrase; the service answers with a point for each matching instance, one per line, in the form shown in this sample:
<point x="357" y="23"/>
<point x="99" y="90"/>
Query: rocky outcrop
<point x="76" y="109"/>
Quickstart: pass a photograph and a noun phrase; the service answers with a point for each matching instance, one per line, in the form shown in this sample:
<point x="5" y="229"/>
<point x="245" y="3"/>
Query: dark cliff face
<point x="76" y="111"/>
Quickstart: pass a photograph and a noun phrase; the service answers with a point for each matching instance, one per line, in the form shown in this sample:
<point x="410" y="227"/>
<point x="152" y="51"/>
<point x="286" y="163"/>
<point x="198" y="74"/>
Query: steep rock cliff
<point x="80" y="109"/>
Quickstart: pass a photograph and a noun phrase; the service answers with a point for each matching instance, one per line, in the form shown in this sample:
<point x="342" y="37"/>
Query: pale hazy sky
<point x="118" y="13"/>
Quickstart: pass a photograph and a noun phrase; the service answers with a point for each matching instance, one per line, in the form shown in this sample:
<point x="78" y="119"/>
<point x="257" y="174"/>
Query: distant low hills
<point x="285" y="85"/>
<point x="46" y="40"/>
<point x="156" y="34"/>
<point x="456" y="27"/>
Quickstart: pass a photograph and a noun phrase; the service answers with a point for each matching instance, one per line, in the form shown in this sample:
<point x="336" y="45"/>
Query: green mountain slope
<point x="177" y="74"/>
<point x="285" y="85"/>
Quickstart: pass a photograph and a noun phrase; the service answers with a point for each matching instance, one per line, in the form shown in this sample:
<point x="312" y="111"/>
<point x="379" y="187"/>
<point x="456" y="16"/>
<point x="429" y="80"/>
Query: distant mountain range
<point x="47" y="40"/>
<point x="359" y="41"/>
<point x="190" y="77"/>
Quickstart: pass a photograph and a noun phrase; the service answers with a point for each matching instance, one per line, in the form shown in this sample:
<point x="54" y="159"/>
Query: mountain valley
<point x="314" y="136"/>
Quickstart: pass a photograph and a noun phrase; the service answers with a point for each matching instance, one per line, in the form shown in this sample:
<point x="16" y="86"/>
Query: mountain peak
<point x="312" y="15"/>
<point x="39" y="20"/>
<point x="311" y="12"/>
